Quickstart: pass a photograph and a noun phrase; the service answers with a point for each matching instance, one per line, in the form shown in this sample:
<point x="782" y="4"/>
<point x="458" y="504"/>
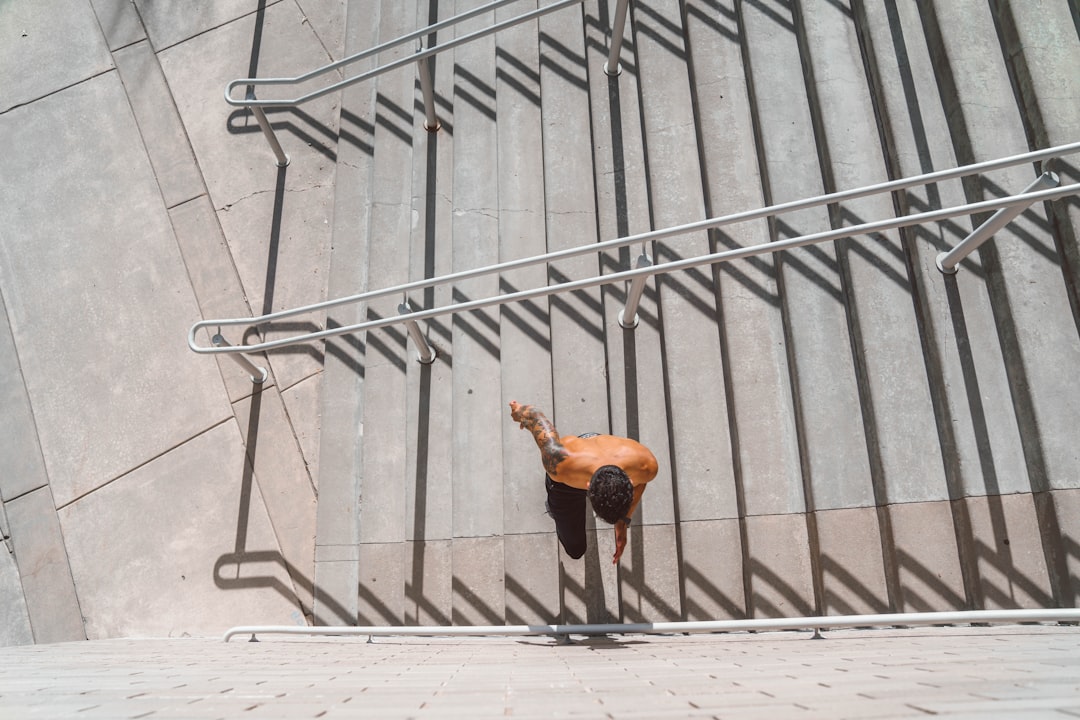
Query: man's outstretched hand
<point x="517" y="411"/>
<point x="620" y="541"/>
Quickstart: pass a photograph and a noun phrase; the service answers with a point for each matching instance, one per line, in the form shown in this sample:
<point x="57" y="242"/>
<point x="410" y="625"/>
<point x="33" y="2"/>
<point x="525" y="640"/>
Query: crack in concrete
<point x="228" y="206"/>
<point x="486" y="212"/>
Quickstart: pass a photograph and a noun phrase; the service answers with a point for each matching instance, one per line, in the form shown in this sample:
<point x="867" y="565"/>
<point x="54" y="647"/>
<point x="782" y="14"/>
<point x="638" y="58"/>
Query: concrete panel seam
<point x="5" y="532"/>
<point x="146" y="462"/>
<point x="172" y="108"/>
<point x="59" y="90"/>
<point x="230" y="21"/>
<point x="67" y="562"/>
<point x="26" y="393"/>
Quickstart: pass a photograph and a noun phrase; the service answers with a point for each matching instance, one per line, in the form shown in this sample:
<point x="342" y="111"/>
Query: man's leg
<point x="566" y="505"/>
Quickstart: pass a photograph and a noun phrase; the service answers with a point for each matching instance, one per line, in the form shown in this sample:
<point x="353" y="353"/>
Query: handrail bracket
<point x="257" y="374"/>
<point x="948" y="262"/>
<point x="268" y="131"/>
<point x="424" y="352"/>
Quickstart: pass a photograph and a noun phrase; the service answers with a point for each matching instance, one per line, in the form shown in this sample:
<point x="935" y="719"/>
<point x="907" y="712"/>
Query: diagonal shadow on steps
<point x="242" y="556"/>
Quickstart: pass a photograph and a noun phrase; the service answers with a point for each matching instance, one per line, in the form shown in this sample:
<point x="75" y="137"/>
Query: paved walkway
<point x="1009" y="672"/>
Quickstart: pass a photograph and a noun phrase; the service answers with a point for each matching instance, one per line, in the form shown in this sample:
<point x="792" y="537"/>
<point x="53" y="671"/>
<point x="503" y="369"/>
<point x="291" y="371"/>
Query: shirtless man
<point x="611" y="471"/>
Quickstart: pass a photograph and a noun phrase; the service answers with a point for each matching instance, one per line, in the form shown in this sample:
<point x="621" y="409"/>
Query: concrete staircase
<point x="840" y="429"/>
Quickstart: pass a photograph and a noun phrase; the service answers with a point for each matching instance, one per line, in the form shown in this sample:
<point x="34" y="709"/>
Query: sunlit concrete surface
<point x="960" y="672"/>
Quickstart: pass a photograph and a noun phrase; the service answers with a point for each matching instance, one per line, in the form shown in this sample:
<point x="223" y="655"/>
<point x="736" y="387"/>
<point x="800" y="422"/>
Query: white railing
<point x="611" y="67"/>
<point x="1006" y="207"/>
<point x="822" y="622"/>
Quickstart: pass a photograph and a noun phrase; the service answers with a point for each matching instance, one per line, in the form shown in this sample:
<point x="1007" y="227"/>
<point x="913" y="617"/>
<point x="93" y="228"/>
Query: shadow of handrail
<point x="322" y="600"/>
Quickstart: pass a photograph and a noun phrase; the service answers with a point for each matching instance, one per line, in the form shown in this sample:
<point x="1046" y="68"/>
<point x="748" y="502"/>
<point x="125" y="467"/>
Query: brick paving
<point x="960" y="672"/>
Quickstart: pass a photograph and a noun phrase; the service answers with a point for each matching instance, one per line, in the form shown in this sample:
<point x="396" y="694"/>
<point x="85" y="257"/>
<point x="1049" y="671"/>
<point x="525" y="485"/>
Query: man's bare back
<point x="573" y="461"/>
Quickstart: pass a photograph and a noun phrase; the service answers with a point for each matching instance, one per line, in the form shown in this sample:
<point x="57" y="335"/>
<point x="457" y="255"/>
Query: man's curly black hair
<point x="611" y="493"/>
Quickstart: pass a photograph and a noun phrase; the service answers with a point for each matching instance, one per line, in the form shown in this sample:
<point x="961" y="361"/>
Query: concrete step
<point x="840" y="428"/>
<point x="698" y="470"/>
<point x="823" y="378"/>
<point x="337" y="541"/>
<point x="894" y="390"/>
<point x="1034" y="325"/>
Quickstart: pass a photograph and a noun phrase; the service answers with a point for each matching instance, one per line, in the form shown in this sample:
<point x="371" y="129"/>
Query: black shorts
<point x="566" y="505"/>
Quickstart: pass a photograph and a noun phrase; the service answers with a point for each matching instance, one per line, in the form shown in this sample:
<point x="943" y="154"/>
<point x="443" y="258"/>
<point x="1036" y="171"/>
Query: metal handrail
<point x="421" y="57"/>
<point x="823" y="622"/>
<point x="644" y="270"/>
<point x="393" y="65"/>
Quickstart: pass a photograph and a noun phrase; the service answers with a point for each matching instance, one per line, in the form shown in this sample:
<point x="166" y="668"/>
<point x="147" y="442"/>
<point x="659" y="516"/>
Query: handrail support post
<point x="257" y="374"/>
<point x="427" y="88"/>
<point x="612" y="67"/>
<point x="628" y="318"/>
<point x="268" y="131"/>
<point x="424" y="352"/>
<point x="948" y="262"/>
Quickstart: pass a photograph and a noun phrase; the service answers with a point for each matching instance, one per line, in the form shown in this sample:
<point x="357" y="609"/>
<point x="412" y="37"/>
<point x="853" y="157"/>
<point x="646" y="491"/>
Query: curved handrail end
<point x="252" y="101"/>
<point x="229" y="89"/>
<point x="194" y="347"/>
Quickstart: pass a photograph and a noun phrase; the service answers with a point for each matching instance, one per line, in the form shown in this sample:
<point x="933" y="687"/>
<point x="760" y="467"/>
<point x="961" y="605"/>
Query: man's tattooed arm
<point x="544" y="433"/>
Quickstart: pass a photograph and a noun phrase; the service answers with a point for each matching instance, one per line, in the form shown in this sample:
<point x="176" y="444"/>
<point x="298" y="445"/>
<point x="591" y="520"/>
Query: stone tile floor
<point x="957" y="672"/>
